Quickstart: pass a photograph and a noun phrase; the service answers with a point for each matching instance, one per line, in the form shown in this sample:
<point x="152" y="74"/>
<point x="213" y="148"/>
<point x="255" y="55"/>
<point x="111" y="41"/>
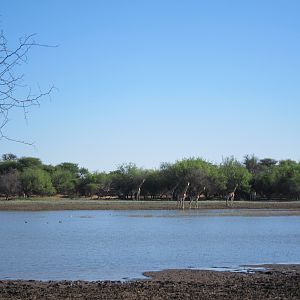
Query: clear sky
<point x="153" y="81"/>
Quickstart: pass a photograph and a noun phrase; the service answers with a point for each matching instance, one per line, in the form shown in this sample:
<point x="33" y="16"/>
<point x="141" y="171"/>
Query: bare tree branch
<point x="14" y="92"/>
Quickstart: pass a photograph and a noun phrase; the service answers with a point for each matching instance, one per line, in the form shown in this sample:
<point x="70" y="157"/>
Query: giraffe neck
<point x="141" y="183"/>
<point x="235" y="189"/>
<point x="174" y="188"/>
<point x="186" y="188"/>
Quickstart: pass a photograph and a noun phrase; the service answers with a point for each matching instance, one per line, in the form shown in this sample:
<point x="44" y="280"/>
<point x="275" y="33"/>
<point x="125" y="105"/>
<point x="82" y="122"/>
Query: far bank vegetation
<point x="252" y="179"/>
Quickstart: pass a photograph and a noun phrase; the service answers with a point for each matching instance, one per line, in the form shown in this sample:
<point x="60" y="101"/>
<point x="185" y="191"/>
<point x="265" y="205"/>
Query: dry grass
<point x="56" y="203"/>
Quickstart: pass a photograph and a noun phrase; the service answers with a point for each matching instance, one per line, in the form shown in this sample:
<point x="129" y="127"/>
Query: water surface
<point x="116" y="245"/>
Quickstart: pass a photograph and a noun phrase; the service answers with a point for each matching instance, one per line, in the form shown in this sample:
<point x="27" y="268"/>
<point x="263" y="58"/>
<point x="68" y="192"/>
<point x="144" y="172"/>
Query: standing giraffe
<point x="230" y="196"/>
<point x="197" y="198"/>
<point x="182" y="199"/>
<point x="138" y="192"/>
<point x="253" y="195"/>
<point x="169" y="194"/>
<point x="172" y="193"/>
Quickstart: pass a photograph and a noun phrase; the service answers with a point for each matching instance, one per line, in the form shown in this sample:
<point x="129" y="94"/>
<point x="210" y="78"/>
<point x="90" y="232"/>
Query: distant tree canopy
<point x="267" y="178"/>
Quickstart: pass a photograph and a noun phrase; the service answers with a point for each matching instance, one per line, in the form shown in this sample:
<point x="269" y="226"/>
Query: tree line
<point x="253" y="179"/>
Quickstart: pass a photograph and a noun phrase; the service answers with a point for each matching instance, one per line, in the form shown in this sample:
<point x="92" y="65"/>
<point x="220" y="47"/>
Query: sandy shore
<point x="50" y="204"/>
<point x="278" y="282"/>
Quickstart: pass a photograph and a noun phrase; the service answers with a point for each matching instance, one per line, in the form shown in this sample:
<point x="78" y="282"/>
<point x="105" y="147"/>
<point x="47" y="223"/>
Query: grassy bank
<point x="55" y="203"/>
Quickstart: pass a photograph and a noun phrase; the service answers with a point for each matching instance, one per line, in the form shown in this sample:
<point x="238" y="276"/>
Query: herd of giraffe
<point x="181" y="197"/>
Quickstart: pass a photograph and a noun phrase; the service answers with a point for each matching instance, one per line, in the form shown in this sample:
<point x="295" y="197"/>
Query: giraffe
<point x="253" y="195"/>
<point x="169" y="194"/>
<point x="230" y="196"/>
<point x="182" y="196"/>
<point x="198" y="195"/>
<point x="138" y="192"/>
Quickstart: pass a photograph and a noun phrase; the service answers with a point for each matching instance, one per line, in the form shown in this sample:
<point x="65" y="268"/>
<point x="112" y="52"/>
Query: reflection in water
<point x="99" y="245"/>
<point x="238" y="269"/>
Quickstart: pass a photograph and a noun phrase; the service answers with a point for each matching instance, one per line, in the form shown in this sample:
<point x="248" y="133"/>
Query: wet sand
<point x="277" y="282"/>
<point x="54" y="204"/>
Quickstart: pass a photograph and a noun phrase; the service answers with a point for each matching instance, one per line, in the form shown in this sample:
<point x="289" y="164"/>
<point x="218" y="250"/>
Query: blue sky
<point x="154" y="81"/>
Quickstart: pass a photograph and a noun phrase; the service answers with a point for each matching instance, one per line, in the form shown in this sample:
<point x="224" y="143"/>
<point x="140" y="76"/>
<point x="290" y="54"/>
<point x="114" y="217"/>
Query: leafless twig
<point x="14" y="93"/>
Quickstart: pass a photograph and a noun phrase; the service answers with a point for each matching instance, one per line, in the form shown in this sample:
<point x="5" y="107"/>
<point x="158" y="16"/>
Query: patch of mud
<point x="239" y="269"/>
<point x="278" y="282"/>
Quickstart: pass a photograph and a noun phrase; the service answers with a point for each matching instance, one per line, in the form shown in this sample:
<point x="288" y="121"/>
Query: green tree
<point x="9" y="156"/>
<point x="36" y="181"/>
<point x="63" y="181"/>
<point x="126" y="179"/>
<point x="295" y="184"/>
<point x="71" y="167"/>
<point x="29" y="162"/>
<point x="252" y="164"/>
<point x="267" y="163"/>
<point x="104" y="183"/>
<point x="8" y="165"/>
<point x="91" y="189"/>
<point x="153" y="184"/>
<point x="70" y="177"/>
<point x="197" y="171"/>
<point x="10" y="183"/>
<point x="287" y="173"/>
<point x="236" y="175"/>
<point x="265" y="182"/>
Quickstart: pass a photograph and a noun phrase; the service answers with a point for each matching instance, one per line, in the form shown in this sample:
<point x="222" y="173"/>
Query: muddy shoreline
<point x="277" y="282"/>
<point x="54" y="204"/>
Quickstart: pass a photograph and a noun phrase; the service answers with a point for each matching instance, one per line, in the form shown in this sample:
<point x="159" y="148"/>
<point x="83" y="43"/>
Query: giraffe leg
<point x="179" y="202"/>
<point x="191" y="201"/>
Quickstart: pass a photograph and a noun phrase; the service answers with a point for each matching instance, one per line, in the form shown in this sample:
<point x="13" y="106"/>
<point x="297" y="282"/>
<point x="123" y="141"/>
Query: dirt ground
<point x="55" y="203"/>
<point x="277" y="282"/>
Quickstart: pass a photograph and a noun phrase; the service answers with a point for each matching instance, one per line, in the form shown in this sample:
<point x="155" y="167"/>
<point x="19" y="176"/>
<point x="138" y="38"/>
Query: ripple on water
<point x="111" y="245"/>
